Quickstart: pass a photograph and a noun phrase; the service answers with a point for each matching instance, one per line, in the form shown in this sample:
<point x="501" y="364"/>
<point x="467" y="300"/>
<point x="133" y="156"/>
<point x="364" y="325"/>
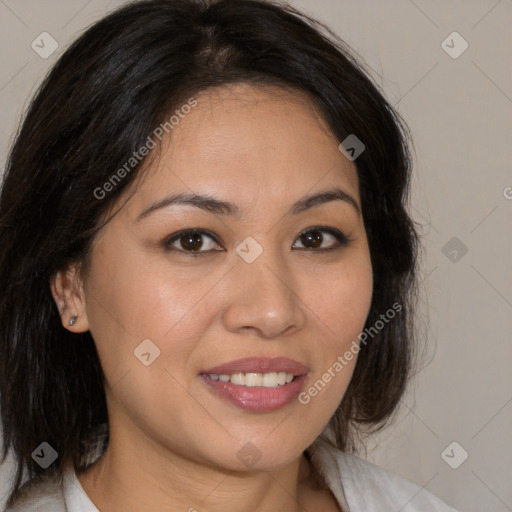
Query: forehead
<point x="249" y="145"/>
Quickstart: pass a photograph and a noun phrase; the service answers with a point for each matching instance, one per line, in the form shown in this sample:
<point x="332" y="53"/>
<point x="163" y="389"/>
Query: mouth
<point x="257" y="384"/>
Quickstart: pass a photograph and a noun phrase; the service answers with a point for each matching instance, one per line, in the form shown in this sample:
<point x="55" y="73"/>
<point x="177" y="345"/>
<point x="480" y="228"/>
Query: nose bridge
<point x="264" y="298"/>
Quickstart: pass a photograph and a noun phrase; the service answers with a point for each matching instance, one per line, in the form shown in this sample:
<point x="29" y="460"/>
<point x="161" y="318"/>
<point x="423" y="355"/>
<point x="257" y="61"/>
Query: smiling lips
<point x="257" y="384"/>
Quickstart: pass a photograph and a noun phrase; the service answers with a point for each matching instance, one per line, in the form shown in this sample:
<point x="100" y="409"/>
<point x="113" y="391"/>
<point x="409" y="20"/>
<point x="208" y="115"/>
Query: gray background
<point x="459" y="110"/>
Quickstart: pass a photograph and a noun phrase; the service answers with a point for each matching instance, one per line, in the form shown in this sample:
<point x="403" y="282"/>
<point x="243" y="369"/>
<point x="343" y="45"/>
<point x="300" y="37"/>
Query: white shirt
<point x="357" y="485"/>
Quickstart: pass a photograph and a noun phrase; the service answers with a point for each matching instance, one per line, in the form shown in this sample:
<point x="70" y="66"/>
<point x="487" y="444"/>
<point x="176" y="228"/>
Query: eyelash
<point x="341" y="240"/>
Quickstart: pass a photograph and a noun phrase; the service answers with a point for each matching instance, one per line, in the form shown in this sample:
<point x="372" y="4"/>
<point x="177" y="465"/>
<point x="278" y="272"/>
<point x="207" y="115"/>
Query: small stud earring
<point x="72" y="320"/>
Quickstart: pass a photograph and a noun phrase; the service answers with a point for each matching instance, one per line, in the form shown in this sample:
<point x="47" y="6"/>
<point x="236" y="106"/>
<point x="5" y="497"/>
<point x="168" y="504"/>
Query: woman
<point x="207" y="269"/>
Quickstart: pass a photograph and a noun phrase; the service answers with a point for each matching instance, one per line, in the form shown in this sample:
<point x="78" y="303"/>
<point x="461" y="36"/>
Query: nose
<point x="263" y="298"/>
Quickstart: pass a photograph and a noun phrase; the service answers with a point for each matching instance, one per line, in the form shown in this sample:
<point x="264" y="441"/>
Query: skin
<point x="173" y="442"/>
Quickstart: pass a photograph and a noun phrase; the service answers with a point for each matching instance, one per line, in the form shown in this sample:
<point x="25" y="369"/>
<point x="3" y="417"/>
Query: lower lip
<point x="257" y="399"/>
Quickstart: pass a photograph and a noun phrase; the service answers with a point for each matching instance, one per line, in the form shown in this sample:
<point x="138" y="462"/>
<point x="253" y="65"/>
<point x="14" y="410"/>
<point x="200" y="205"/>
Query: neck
<point x="134" y="476"/>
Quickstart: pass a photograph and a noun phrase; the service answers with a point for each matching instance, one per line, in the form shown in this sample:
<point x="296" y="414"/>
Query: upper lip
<point x="259" y="365"/>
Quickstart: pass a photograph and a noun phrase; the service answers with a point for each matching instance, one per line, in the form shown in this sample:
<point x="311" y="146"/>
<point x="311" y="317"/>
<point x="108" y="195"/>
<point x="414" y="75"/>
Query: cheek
<point x="340" y="302"/>
<point x="145" y="323"/>
<point x="139" y="296"/>
<point x="341" y="298"/>
<point x="132" y="298"/>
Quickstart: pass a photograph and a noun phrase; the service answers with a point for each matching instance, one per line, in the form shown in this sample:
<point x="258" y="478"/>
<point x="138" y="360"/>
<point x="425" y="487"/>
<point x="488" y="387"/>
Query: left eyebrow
<point x="335" y="194"/>
<point x="211" y="204"/>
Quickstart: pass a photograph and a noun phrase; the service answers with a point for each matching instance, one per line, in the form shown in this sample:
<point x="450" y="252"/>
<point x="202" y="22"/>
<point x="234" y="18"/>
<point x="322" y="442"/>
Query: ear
<point x="67" y="291"/>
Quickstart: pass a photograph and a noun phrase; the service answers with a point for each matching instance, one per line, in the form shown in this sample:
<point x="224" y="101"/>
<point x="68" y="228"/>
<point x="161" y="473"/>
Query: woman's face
<point x="249" y="284"/>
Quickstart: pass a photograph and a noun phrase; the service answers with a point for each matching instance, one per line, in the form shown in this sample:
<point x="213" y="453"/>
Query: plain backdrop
<point x="453" y="432"/>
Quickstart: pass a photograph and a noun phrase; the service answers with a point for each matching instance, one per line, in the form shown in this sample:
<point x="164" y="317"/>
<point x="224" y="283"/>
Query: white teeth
<point x="250" y="380"/>
<point x="253" y="379"/>
<point x="270" y="380"/>
<point x="236" y="378"/>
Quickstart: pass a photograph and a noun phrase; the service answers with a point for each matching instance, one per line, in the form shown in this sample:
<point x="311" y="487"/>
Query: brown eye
<point x="192" y="242"/>
<point x="312" y="240"/>
<point x="317" y="237"/>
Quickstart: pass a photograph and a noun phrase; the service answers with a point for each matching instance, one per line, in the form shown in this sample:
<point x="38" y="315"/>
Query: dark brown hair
<point x="101" y="100"/>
